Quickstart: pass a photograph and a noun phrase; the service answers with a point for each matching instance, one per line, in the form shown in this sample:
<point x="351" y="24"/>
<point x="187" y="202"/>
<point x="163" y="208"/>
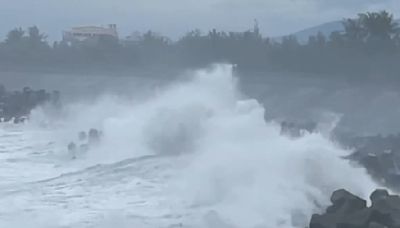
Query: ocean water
<point x="193" y="153"/>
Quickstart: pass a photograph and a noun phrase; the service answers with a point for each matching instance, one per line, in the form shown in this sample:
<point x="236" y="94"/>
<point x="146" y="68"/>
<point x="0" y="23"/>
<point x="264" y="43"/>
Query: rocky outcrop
<point x="380" y="156"/>
<point x="350" y="211"/>
<point x="86" y="140"/>
<point x="16" y="105"/>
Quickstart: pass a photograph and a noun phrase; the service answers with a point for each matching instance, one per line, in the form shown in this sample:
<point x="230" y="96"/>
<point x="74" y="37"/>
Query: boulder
<point x="94" y="136"/>
<point x="378" y="195"/>
<point x="16" y="105"/>
<point x="380" y="155"/>
<point x="350" y="211"/>
<point x="72" y="147"/>
<point x="387" y="211"/>
<point x="345" y="202"/>
<point x="323" y="221"/>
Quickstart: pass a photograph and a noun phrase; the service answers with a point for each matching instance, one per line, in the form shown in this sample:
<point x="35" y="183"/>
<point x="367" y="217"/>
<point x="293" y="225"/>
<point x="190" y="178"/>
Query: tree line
<point x="368" y="45"/>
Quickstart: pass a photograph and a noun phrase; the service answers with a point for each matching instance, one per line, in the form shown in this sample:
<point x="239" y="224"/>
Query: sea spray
<point x="231" y="166"/>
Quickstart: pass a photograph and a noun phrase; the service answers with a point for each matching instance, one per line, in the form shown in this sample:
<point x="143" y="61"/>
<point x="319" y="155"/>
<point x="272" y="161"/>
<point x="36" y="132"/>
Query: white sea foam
<point x="226" y="165"/>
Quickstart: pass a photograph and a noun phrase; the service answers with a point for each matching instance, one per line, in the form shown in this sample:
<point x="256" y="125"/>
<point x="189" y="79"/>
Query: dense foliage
<point x="368" y="44"/>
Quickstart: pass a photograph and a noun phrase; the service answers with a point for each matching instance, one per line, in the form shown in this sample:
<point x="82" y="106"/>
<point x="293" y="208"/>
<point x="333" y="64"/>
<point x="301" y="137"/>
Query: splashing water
<point x="213" y="162"/>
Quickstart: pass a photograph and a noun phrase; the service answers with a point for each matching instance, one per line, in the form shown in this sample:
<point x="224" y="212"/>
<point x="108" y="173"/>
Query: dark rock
<point x="345" y="202"/>
<point x="350" y="211"/>
<point x="380" y="156"/>
<point x="323" y="221"/>
<point x="387" y="211"/>
<point x="378" y="195"/>
<point x="94" y="136"/>
<point x="16" y="105"/>
<point x="85" y="142"/>
<point x="358" y="219"/>
<point x="72" y="147"/>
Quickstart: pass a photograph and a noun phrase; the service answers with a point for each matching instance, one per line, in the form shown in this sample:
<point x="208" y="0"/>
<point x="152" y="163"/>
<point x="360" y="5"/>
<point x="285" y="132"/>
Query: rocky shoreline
<point x="380" y="156"/>
<point x="15" y="106"/>
<point x="350" y="211"/>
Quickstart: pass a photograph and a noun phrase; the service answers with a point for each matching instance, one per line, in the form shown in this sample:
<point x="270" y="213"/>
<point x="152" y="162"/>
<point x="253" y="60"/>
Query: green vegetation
<point x="369" y="45"/>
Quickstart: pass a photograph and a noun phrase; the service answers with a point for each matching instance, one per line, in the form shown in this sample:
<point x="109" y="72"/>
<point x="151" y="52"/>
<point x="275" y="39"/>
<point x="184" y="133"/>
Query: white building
<point x="84" y="33"/>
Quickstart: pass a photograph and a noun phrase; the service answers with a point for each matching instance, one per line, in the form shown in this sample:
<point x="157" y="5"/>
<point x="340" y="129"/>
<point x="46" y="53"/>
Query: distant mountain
<point x="326" y="29"/>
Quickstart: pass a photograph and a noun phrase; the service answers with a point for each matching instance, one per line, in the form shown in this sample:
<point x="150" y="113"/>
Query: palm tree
<point x="375" y="31"/>
<point x="35" y="38"/>
<point x="379" y="25"/>
<point x="354" y="30"/>
<point x="15" y="36"/>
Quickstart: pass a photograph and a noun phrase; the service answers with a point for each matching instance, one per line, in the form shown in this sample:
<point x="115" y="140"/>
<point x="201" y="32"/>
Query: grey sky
<point x="175" y="17"/>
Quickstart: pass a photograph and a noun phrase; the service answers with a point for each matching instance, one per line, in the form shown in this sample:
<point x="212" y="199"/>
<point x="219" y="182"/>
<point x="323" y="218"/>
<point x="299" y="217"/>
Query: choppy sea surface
<point x="194" y="153"/>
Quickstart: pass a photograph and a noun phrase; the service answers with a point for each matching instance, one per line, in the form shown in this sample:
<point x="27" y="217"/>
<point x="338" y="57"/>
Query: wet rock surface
<point x="350" y="211"/>
<point x="85" y="141"/>
<point x="380" y="156"/>
<point x="16" y="105"/>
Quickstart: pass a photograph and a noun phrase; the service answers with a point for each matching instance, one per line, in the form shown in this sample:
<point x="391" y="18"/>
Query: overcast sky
<point x="175" y="17"/>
